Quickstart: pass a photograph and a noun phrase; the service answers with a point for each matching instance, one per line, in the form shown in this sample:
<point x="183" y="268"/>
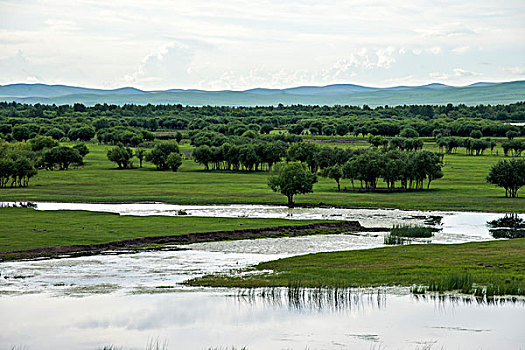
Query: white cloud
<point x="460" y="49"/>
<point x="515" y="70"/>
<point x="436" y="50"/>
<point x="196" y="44"/>
<point x="459" y="72"/>
<point x="456" y="75"/>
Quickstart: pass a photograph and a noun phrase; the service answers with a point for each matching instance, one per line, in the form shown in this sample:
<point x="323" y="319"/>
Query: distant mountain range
<point x="338" y="94"/>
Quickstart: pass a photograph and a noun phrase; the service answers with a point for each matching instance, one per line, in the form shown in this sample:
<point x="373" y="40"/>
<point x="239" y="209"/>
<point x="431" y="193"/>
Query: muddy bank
<point x="143" y="243"/>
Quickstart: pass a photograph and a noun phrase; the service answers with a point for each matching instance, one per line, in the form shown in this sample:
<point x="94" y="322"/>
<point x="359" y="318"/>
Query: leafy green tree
<point x="395" y="163"/>
<point x="178" y="137"/>
<point x="102" y="123"/>
<point x="509" y="174"/>
<point x="341" y="129"/>
<point x="303" y="152"/>
<point x="82" y="149"/>
<point x="83" y="133"/>
<point x="334" y="172"/>
<point x="159" y="154"/>
<point x="140" y="153"/>
<point x="511" y="134"/>
<point x="202" y="155"/>
<point x="350" y="171"/>
<point x="40" y="142"/>
<point x="174" y="161"/>
<point x="20" y="133"/>
<point x="61" y="156"/>
<point x="409" y="133"/>
<point x="266" y="128"/>
<point x="328" y="130"/>
<point x="426" y="165"/>
<point x="23" y="170"/>
<point x="55" y="133"/>
<point x="476" y="134"/>
<point x="6" y="171"/>
<point x="290" y="179"/>
<point x="121" y="155"/>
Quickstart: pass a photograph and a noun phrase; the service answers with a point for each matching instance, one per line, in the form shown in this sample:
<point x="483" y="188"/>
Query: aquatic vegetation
<point x="402" y="234"/>
<point x="456" y="281"/>
<point x="412" y="231"/>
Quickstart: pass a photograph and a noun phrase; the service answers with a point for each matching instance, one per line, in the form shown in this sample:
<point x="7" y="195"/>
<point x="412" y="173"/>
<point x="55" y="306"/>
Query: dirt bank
<point x="150" y="242"/>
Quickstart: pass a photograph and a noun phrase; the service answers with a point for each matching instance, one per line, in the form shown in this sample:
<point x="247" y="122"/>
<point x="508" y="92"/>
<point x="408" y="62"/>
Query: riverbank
<point x="26" y="233"/>
<point x="497" y="263"/>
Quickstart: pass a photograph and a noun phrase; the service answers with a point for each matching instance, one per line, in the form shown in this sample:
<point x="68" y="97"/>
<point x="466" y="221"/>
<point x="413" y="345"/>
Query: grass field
<point x="462" y="188"/>
<point x="22" y="229"/>
<point x="496" y="262"/>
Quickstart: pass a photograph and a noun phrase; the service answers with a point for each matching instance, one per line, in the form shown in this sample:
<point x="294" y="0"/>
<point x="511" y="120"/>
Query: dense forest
<point x="133" y="124"/>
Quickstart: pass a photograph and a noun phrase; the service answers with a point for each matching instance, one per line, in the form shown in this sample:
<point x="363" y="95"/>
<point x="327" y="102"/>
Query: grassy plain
<point x="462" y="188"/>
<point x="499" y="262"/>
<point x="22" y="228"/>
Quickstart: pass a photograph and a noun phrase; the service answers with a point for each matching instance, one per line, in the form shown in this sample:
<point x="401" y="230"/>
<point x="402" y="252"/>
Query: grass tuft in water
<point x="402" y="234"/>
<point x="411" y="231"/>
<point x="461" y="282"/>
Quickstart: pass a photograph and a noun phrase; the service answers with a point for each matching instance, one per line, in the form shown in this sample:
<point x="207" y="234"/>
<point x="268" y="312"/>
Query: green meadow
<point x="500" y="263"/>
<point x="23" y="228"/>
<point x="463" y="186"/>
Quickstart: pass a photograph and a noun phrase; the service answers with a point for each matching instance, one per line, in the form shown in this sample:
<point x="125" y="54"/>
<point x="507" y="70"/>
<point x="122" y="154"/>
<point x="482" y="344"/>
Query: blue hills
<point x="336" y="94"/>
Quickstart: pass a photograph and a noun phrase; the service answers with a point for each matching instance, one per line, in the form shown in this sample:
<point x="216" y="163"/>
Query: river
<point x="128" y="300"/>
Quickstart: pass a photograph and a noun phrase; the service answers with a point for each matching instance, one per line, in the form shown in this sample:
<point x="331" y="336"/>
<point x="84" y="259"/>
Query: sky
<point x="238" y="45"/>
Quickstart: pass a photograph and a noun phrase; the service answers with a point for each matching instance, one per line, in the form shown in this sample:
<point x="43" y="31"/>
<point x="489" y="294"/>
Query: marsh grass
<point x="411" y="231"/>
<point x="498" y="263"/>
<point x="457" y="281"/>
<point x="389" y="239"/>
<point x="463" y="283"/>
<point x="403" y="234"/>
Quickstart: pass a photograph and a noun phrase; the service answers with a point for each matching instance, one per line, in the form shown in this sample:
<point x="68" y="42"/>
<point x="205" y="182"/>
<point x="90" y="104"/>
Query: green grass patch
<point x="493" y="264"/>
<point x="22" y="229"/>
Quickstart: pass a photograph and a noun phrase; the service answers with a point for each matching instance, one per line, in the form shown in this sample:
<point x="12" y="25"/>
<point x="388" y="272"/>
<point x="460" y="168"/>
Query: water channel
<point x="128" y="300"/>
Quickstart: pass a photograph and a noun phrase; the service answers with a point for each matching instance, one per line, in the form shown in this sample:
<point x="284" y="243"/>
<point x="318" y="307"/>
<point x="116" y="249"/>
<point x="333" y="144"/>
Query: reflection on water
<point x="200" y="320"/>
<point x="315" y="299"/>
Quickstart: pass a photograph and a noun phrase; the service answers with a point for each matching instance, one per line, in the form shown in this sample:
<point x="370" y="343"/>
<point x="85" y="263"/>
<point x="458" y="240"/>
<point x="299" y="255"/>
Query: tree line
<point x="131" y="124"/>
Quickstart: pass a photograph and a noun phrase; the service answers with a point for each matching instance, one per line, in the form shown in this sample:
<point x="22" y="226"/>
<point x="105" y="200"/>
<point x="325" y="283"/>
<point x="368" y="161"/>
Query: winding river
<point x="130" y="300"/>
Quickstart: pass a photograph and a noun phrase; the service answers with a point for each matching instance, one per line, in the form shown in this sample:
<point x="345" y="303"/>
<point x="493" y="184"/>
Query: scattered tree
<point x="290" y="179"/>
<point x="509" y="174"/>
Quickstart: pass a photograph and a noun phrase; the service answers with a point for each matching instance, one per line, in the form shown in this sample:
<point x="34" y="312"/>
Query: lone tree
<point x="291" y="179"/>
<point x="509" y="175"/>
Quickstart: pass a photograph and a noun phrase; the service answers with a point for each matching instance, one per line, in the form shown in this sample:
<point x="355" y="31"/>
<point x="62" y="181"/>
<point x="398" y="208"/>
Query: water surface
<point x="129" y="299"/>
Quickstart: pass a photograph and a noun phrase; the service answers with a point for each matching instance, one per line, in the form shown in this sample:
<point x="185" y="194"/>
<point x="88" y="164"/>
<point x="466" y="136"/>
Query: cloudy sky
<point x="233" y="44"/>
